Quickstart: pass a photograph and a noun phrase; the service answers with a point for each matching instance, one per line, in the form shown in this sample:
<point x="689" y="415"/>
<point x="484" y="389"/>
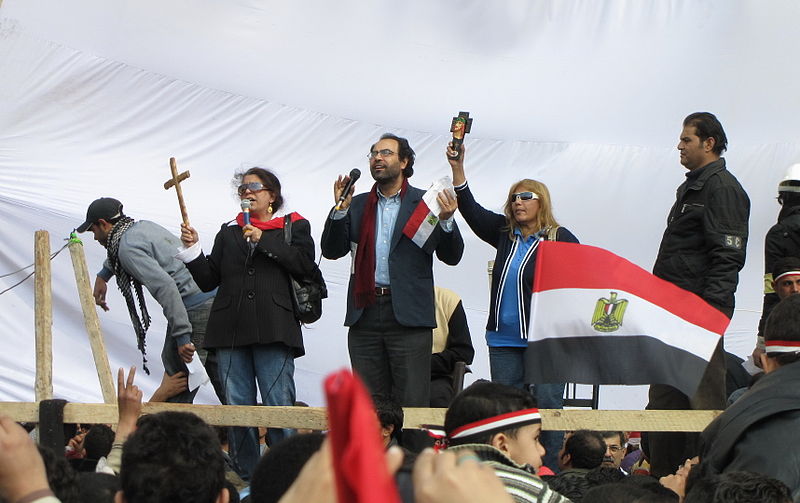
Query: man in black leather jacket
<point x="702" y="251"/>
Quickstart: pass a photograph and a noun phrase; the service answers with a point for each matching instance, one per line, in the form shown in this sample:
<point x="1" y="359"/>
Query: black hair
<point x="738" y="487"/>
<point x="172" y="456"/>
<point x="482" y="400"/>
<point x="604" y="475"/>
<point x="61" y="477"/>
<point x="280" y="466"/>
<point x="620" y="434"/>
<point x="268" y="179"/>
<point x="570" y="485"/>
<point x="708" y="126"/>
<point x="389" y="414"/>
<point x="98" y="441"/>
<point x="404" y="152"/>
<point x="657" y="492"/>
<point x="614" y="493"/>
<point x="97" y="487"/>
<point x="783" y="324"/>
<point x="586" y="449"/>
<point x="785" y="264"/>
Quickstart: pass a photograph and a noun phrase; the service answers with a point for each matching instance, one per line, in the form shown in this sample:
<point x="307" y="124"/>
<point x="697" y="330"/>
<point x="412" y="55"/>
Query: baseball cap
<point x="106" y="208"/>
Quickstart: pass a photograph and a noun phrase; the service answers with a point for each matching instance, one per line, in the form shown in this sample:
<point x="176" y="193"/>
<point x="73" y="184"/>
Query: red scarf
<point x="365" y="253"/>
<point x="273" y="223"/>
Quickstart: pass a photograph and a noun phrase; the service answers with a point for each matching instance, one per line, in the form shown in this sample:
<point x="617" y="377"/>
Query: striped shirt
<point x="520" y="481"/>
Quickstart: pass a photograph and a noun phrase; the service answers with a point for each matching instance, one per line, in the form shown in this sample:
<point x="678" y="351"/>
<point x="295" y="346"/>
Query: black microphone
<point x="355" y="174"/>
<point x="245" y="204"/>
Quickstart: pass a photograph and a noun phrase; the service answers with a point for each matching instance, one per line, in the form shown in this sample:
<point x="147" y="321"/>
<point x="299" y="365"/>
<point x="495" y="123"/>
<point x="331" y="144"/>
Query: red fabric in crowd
<point x="358" y="456"/>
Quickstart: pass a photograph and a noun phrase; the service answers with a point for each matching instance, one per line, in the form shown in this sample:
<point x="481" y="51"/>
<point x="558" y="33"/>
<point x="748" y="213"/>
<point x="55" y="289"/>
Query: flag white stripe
<point x="555" y="317"/>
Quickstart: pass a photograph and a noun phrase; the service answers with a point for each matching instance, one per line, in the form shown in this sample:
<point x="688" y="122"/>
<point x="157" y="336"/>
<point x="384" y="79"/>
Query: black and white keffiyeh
<point x="124" y="282"/>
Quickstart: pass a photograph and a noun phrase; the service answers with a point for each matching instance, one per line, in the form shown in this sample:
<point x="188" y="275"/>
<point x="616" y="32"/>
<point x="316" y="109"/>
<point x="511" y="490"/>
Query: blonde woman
<point x="527" y="219"/>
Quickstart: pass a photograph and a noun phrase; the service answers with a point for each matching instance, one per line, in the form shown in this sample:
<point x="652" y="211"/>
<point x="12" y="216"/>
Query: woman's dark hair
<point x="269" y="180"/>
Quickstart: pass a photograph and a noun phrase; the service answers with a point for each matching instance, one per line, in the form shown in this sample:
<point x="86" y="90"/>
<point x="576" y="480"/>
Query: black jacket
<point x="758" y="432"/>
<point x="254" y="304"/>
<point x="703" y="248"/>
<point x="783" y="240"/>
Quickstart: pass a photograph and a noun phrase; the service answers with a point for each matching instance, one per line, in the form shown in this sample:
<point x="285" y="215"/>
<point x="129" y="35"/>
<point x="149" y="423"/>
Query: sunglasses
<point x="252" y="187"/>
<point x="523" y="196"/>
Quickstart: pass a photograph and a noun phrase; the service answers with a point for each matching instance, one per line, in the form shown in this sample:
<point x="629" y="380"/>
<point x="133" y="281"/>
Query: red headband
<point x="498" y="423"/>
<point x="782" y="346"/>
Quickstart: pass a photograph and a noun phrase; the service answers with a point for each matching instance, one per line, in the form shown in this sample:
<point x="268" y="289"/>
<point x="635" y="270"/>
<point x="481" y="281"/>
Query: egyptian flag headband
<point x="787" y="273"/>
<point x="782" y="347"/>
<point x="497" y="423"/>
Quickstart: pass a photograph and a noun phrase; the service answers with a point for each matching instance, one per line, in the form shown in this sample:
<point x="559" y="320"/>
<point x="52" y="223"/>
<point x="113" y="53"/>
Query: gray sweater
<point x="147" y="252"/>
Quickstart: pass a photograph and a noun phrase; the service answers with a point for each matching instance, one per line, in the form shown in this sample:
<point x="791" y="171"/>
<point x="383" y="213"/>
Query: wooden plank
<point x="315" y="417"/>
<point x="92" y="322"/>
<point x="627" y="420"/>
<point x="43" y="316"/>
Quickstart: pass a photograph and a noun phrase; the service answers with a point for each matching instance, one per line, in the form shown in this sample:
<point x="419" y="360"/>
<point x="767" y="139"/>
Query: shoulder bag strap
<point x="287" y="229"/>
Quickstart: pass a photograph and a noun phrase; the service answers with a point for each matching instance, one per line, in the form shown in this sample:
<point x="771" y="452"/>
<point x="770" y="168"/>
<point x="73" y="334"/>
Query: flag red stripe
<point x="420" y="214"/>
<point x="572" y="265"/>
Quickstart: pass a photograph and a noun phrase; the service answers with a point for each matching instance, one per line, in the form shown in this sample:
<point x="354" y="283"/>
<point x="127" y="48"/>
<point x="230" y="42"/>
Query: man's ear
<point x="223" y="497"/>
<point x="709" y="143"/>
<point x="768" y="364"/>
<point x="119" y="497"/>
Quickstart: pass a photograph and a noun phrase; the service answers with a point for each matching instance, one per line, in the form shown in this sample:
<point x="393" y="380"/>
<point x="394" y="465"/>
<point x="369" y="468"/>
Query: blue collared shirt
<point x="387" y="211"/>
<point x="388" y="208"/>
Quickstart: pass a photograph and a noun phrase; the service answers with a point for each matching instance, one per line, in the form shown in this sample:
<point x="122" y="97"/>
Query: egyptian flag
<point x="600" y="319"/>
<point x="423" y="221"/>
<point x="358" y="454"/>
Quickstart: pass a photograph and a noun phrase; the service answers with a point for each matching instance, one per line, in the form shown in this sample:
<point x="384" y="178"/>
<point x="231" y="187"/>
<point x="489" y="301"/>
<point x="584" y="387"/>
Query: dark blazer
<point x="254" y="304"/>
<point x="410" y="267"/>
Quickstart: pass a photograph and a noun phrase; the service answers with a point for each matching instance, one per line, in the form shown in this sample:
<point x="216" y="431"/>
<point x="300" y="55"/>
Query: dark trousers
<point x="391" y="359"/>
<point x="669" y="449"/>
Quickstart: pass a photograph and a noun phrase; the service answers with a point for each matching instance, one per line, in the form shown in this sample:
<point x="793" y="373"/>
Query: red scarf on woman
<point x="365" y="253"/>
<point x="273" y="223"/>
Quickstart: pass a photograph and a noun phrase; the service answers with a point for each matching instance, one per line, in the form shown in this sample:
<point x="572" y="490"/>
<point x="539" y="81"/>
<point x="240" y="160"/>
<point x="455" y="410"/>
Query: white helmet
<point x="791" y="182"/>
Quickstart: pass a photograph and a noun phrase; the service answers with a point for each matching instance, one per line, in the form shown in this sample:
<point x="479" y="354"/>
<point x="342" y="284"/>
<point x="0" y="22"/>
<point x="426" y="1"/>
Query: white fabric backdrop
<point x="586" y="96"/>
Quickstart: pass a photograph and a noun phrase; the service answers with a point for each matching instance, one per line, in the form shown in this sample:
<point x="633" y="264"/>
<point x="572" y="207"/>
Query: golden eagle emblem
<point x="608" y="313"/>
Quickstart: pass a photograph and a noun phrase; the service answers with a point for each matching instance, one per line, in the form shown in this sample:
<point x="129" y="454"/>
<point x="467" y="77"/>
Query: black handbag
<point x="307" y="292"/>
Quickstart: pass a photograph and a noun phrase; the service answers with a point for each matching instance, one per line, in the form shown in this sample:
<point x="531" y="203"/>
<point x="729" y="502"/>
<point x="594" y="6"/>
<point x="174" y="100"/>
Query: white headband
<point x="498" y="423"/>
<point x="782" y="346"/>
<point x="787" y="273"/>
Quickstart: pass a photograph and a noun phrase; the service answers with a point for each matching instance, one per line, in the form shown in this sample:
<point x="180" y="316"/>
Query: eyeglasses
<point x="524" y="196"/>
<point x="383" y="153"/>
<point x="614" y="448"/>
<point x="252" y="187"/>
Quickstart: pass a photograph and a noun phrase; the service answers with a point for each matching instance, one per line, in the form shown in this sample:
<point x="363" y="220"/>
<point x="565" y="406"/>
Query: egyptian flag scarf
<point x="365" y="253"/>
<point x="265" y="225"/>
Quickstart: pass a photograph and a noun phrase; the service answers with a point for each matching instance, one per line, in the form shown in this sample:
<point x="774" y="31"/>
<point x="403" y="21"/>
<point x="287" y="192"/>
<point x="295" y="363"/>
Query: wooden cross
<point x="175" y="181"/>
<point x="459" y="127"/>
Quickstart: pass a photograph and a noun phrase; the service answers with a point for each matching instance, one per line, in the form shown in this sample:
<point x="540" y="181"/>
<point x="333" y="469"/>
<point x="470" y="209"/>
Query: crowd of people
<point x="233" y="309"/>
<point x="490" y="452"/>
